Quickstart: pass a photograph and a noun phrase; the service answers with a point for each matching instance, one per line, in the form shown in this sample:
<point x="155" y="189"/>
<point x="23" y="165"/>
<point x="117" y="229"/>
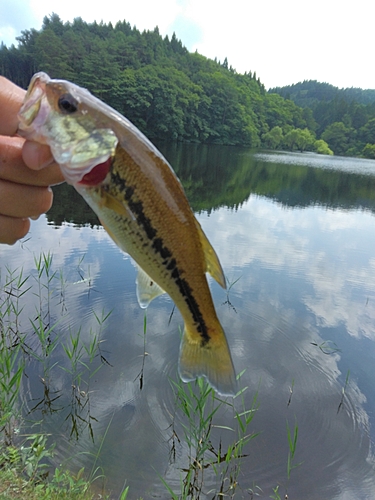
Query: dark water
<point x="296" y="235"/>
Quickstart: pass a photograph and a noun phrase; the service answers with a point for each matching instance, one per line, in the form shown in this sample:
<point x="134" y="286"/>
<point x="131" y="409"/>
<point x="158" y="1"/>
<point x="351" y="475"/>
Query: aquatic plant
<point x="292" y="442"/>
<point x="12" y="341"/>
<point x="25" y="458"/>
<point x="216" y="453"/>
<point x="196" y="408"/>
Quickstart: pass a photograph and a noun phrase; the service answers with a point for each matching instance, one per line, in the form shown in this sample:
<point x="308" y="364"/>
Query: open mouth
<point x="96" y="174"/>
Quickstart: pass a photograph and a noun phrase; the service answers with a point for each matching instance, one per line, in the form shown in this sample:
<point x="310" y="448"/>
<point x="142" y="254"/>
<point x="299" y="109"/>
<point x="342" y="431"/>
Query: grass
<point x="63" y="486"/>
<point x="343" y="391"/>
<point x="24" y="474"/>
<point x="140" y="375"/>
<point x="292" y="442"/>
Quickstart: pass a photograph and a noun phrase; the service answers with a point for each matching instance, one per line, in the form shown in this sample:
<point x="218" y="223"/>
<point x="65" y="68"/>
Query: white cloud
<point x="16" y="16"/>
<point x="284" y="42"/>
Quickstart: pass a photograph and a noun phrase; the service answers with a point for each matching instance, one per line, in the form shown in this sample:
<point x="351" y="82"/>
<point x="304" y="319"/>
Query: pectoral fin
<point x="213" y="265"/>
<point x="147" y="289"/>
<point x="112" y="203"/>
<point x="118" y="243"/>
<point x="109" y="201"/>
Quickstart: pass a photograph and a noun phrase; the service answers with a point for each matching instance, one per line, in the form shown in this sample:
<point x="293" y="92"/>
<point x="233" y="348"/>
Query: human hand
<point x="27" y="170"/>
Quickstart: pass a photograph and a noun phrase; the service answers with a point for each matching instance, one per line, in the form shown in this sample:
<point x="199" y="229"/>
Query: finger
<point x="37" y="156"/>
<point x="13" y="168"/>
<point x="11" y="98"/>
<point x="12" y="229"/>
<point x="19" y="200"/>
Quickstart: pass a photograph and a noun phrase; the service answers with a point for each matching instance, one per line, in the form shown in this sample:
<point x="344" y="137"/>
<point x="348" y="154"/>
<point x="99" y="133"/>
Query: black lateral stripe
<point x="170" y="263"/>
<point x="135" y="206"/>
<point x="186" y="292"/>
<point x="157" y="244"/>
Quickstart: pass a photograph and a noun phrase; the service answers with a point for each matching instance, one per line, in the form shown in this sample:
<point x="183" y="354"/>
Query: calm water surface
<point x="296" y="233"/>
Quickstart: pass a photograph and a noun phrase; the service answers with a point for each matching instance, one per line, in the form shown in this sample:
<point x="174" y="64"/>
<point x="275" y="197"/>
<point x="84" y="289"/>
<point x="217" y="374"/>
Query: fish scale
<point x="118" y="188"/>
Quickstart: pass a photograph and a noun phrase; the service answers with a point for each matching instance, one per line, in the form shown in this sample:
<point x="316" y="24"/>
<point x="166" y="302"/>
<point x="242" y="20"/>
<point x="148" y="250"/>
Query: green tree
<point x="369" y="151"/>
<point x="291" y="138"/>
<point x="273" y="138"/>
<point x="367" y="133"/>
<point x="51" y="55"/>
<point x="305" y="139"/>
<point x="337" y="136"/>
<point x="308" y="116"/>
<point x="322" y="147"/>
<point x="54" y="23"/>
<point x="101" y="73"/>
<point x="359" y="115"/>
<point x="297" y="138"/>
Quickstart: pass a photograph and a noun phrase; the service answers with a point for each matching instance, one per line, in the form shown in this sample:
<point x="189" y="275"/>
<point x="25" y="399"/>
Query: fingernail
<point x="46" y="163"/>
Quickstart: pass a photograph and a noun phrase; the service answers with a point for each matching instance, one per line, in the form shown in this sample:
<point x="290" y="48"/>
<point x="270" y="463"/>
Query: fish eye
<point x="67" y="104"/>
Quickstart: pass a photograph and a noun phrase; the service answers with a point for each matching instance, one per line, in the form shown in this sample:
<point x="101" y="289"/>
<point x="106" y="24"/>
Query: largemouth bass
<point x="142" y="205"/>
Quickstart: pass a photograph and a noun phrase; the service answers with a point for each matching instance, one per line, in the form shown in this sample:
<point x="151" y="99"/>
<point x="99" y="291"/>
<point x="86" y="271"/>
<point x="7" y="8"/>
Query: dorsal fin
<point x="213" y="265"/>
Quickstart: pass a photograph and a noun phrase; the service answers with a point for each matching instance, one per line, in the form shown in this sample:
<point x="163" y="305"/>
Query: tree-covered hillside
<point x="166" y="91"/>
<point x="345" y="117"/>
<point x="172" y="94"/>
<point x="311" y="92"/>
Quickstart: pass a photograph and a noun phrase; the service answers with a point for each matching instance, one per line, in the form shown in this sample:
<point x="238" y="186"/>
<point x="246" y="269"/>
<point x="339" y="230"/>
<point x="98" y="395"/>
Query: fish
<point x="142" y="205"/>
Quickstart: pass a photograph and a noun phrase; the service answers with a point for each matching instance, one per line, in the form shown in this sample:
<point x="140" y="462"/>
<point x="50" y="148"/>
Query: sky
<point x="284" y="41"/>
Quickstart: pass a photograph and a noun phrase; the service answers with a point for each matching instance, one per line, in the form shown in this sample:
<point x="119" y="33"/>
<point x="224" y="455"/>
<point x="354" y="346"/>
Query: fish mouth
<point x="97" y="174"/>
<point x="35" y="108"/>
<point x="90" y="173"/>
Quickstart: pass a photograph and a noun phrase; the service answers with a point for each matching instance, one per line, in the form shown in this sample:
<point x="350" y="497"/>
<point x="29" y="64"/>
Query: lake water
<point x="295" y="234"/>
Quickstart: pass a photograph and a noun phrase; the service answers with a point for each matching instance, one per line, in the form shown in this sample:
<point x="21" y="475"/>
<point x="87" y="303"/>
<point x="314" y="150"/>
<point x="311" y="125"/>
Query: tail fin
<point x="211" y="360"/>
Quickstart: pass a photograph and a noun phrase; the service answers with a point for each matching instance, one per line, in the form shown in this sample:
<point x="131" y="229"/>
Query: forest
<point x="172" y="94"/>
<point x="345" y="118"/>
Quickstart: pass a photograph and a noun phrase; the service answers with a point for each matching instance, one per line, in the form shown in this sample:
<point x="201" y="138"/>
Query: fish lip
<point x="35" y="108"/>
<point x="29" y="127"/>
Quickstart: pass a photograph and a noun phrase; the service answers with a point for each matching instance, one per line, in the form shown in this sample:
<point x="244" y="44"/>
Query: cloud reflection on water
<point x="303" y="273"/>
<point x="331" y="250"/>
